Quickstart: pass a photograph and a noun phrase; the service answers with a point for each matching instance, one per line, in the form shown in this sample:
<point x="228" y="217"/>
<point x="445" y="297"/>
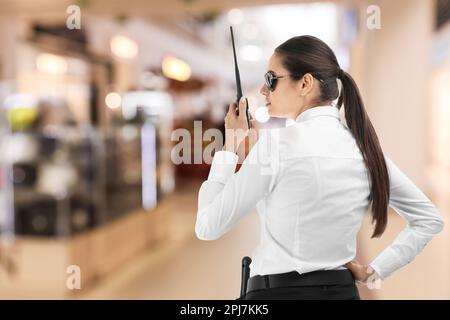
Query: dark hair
<point x="308" y="54"/>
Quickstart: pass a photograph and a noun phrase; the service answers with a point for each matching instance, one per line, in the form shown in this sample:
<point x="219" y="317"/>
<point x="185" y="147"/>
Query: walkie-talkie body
<point x="238" y="82"/>
<point x="245" y="275"/>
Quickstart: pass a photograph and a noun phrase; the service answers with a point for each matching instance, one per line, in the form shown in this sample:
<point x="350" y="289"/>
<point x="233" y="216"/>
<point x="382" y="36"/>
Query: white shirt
<point x="310" y="186"/>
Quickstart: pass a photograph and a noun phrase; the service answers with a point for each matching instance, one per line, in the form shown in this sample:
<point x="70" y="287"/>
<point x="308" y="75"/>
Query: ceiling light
<point x="50" y="63"/>
<point x="124" y="47"/>
<point x="113" y="100"/>
<point x="175" y="68"/>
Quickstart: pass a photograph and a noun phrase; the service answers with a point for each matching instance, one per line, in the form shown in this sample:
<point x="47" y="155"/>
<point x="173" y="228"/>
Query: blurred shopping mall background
<point x="91" y="92"/>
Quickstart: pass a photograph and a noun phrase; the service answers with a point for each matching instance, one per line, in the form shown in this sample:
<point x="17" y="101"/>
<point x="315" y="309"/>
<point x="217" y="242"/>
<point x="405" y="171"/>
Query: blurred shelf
<point x="41" y="263"/>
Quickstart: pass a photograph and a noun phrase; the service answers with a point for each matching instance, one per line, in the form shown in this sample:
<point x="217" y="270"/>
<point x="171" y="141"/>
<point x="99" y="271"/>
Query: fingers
<point x="355" y="262"/>
<point x="242" y="106"/>
<point x="352" y="265"/>
<point x="241" y="119"/>
<point x="232" y="108"/>
<point x="349" y="265"/>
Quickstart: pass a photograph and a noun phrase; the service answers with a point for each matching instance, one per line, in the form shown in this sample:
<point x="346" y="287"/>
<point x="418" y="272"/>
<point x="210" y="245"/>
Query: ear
<point x="306" y="84"/>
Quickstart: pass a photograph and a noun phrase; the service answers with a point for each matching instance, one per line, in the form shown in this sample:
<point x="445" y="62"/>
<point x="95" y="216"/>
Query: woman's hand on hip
<point x="363" y="274"/>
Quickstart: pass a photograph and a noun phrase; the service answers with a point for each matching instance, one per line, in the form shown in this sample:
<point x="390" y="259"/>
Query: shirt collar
<point x="319" y="111"/>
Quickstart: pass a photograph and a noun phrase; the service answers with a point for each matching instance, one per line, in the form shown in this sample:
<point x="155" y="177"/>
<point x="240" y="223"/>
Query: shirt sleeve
<point x="423" y="222"/>
<point x="226" y="197"/>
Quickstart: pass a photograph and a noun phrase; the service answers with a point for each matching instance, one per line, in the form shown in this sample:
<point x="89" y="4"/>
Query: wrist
<point x="373" y="272"/>
<point x="230" y="145"/>
<point x="227" y="147"/>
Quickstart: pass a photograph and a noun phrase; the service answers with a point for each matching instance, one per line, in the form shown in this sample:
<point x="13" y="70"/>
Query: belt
<point x="294" y="279"/>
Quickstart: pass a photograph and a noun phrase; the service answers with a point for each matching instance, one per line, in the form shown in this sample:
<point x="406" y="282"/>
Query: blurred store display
<point x="68" y="179"/>
<point x="75" y="165"/>
<point x="89" y="193"/>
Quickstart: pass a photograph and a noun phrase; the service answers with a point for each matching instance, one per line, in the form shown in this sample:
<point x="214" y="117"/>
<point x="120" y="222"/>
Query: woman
<point x="312" y="183"/>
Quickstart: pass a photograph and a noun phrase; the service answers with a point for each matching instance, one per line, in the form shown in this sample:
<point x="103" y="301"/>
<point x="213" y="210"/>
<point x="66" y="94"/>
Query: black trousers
<point x="345" y="290"/>
<point x="322" y="292"/>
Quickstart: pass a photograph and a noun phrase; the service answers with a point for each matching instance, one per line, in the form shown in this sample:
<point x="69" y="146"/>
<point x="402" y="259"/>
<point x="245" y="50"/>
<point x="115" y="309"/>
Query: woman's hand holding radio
<point x="236" y="129"/>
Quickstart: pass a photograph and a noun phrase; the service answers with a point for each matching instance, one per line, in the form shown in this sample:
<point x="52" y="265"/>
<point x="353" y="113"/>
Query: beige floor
<point x="187" y="268"/>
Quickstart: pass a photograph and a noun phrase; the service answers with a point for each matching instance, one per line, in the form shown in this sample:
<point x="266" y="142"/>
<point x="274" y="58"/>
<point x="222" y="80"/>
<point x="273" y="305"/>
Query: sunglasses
<point x="271" y="79"/>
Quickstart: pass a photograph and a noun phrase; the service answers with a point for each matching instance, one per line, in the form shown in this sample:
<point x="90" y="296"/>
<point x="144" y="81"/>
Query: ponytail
<point x="366" y="138"/>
